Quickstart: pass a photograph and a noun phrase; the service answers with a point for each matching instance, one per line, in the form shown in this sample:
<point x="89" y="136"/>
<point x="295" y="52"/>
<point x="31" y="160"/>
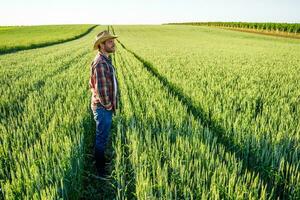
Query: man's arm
<point x="102" y="87"/>
<point x="92" y="79"/>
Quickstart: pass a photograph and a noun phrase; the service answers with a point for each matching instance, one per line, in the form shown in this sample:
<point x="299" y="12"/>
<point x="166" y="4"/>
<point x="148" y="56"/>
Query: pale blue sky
<point x="25" y="12"/>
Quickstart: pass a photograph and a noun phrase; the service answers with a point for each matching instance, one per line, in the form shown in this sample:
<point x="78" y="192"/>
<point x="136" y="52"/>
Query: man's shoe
<point x="101" y="171"/>
<point x="102" y="174"/>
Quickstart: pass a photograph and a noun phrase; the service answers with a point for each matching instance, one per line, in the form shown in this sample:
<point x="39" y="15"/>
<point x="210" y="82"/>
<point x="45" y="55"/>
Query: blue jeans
<point x="103" y="120"/>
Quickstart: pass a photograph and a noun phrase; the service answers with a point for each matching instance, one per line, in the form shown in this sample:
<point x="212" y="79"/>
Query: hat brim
<point x="101" y="40"/>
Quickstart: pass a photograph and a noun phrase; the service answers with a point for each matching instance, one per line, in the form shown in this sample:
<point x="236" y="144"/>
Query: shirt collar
<point x="105" y="57"/>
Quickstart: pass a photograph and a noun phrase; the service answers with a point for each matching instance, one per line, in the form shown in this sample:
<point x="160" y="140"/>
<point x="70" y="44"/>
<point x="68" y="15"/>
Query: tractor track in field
<point x="94" y="187"/>
<point x="249" y="163"/>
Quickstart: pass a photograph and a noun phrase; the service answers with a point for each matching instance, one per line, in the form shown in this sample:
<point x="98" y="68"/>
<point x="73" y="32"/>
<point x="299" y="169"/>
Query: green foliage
<point x="14" y="38"/>
<point x="205" y="113"/>
<point x="238" y="92"/>
<point x="45" y="114"/>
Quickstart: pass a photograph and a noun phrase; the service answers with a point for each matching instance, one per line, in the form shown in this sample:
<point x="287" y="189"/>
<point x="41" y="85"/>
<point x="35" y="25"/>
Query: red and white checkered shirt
<point x="103" y="83"/>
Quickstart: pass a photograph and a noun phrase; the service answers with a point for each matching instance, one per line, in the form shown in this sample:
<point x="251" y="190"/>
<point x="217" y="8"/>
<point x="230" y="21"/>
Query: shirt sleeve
<point x="102" y="86"/>
<point x="92" y="78"/>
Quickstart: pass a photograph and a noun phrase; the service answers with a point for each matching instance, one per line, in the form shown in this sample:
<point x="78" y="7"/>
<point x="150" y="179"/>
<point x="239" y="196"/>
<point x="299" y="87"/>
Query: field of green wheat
<point x="14" y="38"/>
<point x="205" y="113"/>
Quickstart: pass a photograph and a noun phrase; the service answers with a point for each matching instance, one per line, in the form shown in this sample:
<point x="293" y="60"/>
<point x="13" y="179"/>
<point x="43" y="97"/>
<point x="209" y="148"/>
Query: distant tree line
<point x="285" y="27"/>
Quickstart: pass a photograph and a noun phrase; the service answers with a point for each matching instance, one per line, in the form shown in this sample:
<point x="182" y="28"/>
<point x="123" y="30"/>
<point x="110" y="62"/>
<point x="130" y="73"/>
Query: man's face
<point x="109" y="46"/>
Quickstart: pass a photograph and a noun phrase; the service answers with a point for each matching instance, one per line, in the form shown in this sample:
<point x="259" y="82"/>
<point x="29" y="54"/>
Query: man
<point x="103" y="84"/>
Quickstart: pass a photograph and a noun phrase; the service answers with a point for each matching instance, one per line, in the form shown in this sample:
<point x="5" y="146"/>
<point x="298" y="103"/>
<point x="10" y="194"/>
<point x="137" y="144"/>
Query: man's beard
<point x="110" y="50"/>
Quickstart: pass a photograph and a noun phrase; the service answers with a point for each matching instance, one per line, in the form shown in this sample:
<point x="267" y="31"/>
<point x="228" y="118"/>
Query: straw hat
<point x="102" y="37"/>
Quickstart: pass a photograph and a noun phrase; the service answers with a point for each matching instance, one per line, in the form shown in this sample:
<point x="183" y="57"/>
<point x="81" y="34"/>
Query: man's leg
<point x="103" y="120"/>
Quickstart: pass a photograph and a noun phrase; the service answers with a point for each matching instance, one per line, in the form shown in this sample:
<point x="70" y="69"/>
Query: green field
<point x="205" y="113"/>
<point x="14" y="38"/>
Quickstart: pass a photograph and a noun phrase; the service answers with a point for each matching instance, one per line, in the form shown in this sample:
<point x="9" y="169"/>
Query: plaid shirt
<point x="102" y="85"/>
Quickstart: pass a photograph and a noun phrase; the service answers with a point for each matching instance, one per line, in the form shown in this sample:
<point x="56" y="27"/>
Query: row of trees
<point x="285" y="27"/>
